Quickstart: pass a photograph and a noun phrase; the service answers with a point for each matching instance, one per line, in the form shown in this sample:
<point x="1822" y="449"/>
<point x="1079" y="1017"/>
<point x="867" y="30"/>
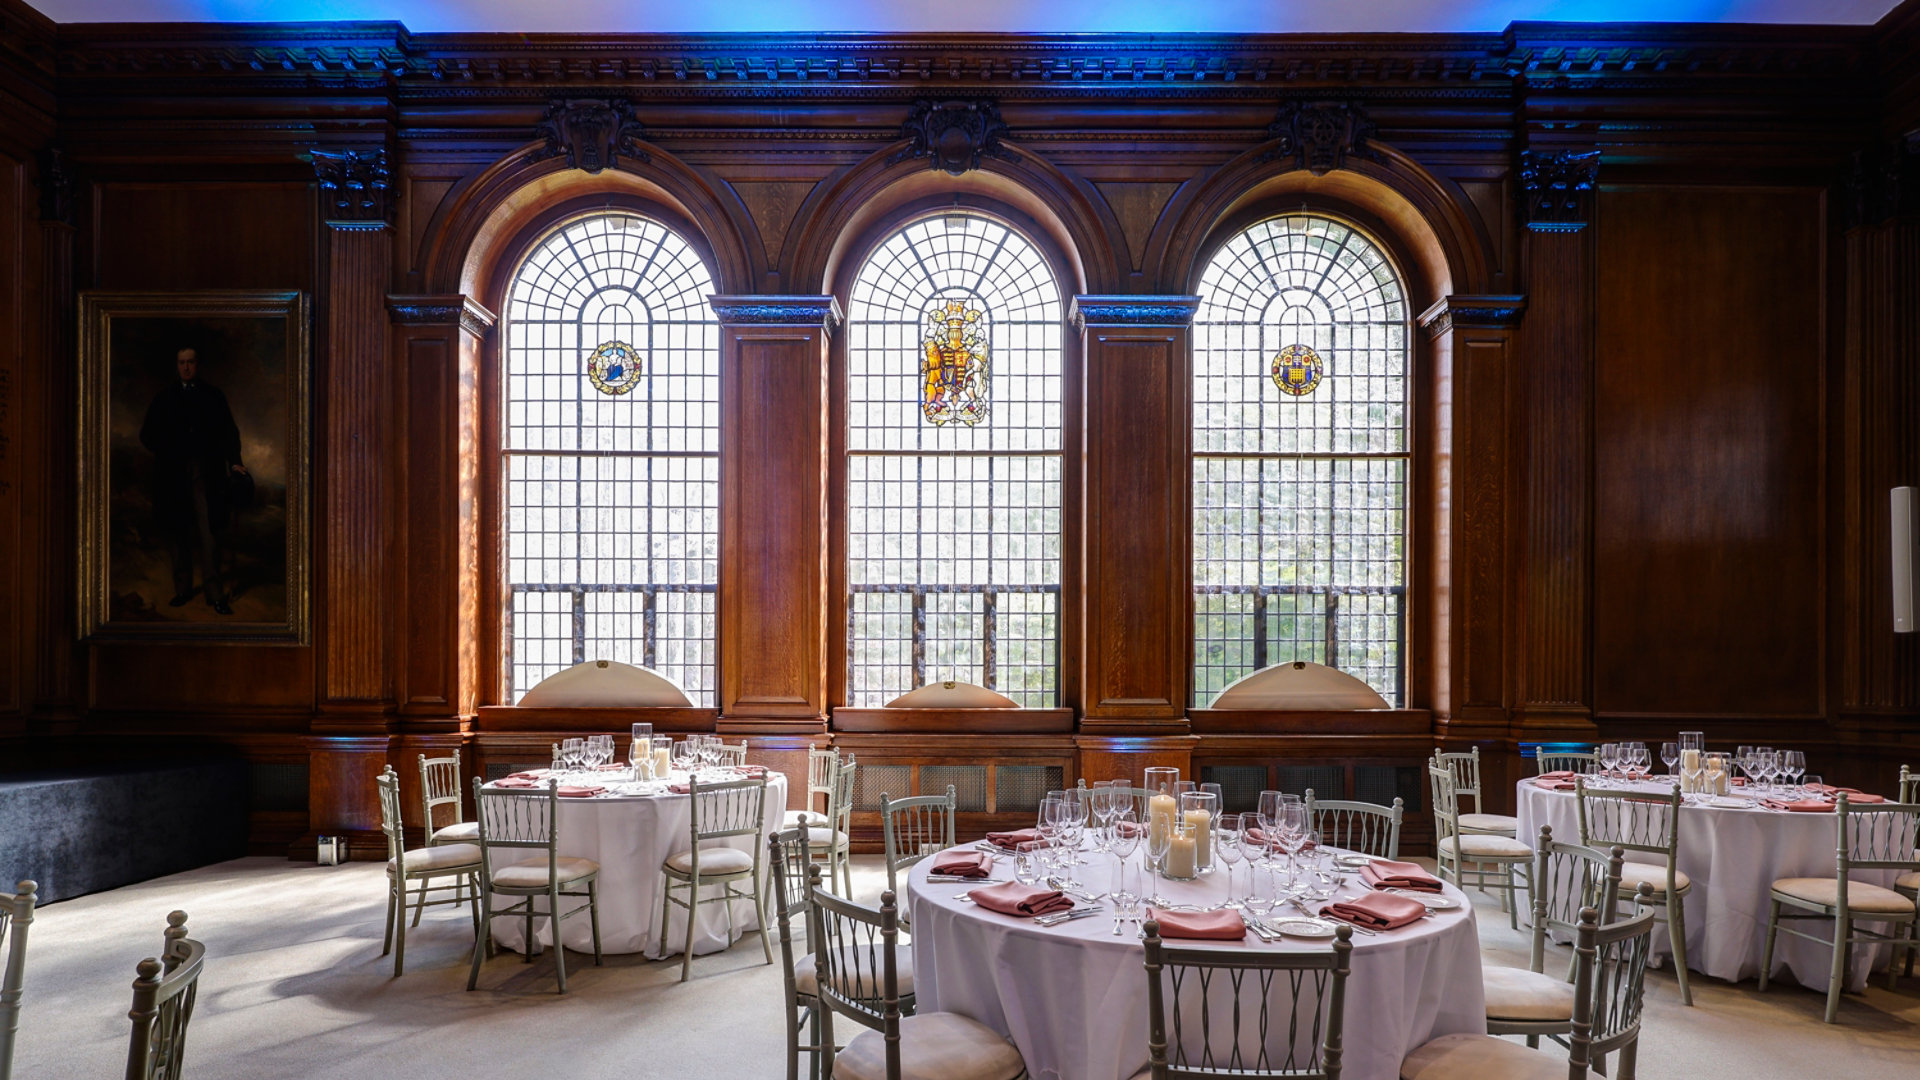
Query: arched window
<point x="953" y="464"/>
<point x="1300" y="456"/>
<point x="611" y="454"/>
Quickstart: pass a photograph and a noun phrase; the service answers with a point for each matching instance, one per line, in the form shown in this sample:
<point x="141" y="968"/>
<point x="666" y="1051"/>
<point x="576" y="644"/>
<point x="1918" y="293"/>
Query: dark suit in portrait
<point x="196" y="447"/>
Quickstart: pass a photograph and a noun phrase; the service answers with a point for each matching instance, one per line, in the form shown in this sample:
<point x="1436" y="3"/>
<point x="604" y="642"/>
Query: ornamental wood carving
<point x="592" y="133"/>
<point x="354" y="187"/>
<point x="1319" y="135"/>
<point x="1558" y="188"/>
<point x="953" y="135"/>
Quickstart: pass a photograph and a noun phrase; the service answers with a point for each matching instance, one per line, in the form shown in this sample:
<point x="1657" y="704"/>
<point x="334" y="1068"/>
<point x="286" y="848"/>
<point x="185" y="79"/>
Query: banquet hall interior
<point x="1325" y="538"/>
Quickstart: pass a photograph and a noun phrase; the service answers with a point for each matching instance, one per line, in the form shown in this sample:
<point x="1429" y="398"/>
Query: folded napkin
<point x="1862" y="798"/>
<point x="1398" y="875"/>
<point x="1376" y="911"/>
<point x="751" y="772"/>
<point x="1259" y="836"/>
<point x="583" y="792"/>
<point x="1804" y="806"/>
<point x="1738" y="781"/>
<point x="1555" y="784"/>
<point x="1020" y="900"/>
<point x="969" y="864"/>
<point x="1557" y="774"/>
<point x="611" y="767"/>
<point x="1203" y="925"/>
<point x="530" y="774"/>
<point x="1129" y="828"/>
<point x="1014" y="839"/>
<point x="679" y="789"/>
<point x="1828" y="789"/>
<point x="516" y="781"/>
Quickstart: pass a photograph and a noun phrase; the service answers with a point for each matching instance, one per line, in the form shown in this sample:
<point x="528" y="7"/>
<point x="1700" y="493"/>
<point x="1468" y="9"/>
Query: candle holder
<point x="640" y="752"/>
<point x="1199" y="810"/>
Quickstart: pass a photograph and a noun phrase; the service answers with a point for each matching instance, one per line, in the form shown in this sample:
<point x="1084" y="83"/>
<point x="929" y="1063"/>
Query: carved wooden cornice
<point x="1557" y="186"/>
<point x="471" y="316"/>
<point x="952" y="135"/>
<point x="821" y="311"/>
<point x="354" y="187"/>
<point x="1476" y="312"/>
<point x="590" y="132"/>
<point x="1128" y="310"/>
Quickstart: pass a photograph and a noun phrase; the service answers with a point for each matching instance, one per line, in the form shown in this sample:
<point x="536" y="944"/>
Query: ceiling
<point x="1016" y="16"/>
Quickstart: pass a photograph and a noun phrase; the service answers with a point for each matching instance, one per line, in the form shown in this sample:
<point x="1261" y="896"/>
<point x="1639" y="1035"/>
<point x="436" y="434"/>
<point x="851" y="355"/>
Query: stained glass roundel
<point x="614" y="368"/>
<point x="1297" y="370"/>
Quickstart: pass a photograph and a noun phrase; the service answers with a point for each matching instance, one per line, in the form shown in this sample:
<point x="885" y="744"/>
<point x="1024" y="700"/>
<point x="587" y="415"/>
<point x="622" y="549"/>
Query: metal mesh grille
<point x="278" y="786"/>
<point x="969" y="784"/>
<point x="1018" y="789"/>
<point x="1327" y="781"/>
<point x="872" y="781"/>
<point x="1240" y="785"/>
<point x="1300" y="503"/>
<point x="953" y="529"/>
<point x="1384" y="783"/>
<point x="612" y="499"/>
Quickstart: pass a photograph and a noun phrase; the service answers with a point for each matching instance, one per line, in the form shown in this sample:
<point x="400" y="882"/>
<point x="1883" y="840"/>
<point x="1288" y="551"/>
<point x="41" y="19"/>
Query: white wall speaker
<point x="1906" y="530"/>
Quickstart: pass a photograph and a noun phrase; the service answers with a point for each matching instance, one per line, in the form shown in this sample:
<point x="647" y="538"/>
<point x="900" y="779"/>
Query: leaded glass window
<point x="611" y="455"/>
<point x="953" y="464"/>
<point x="1300" y="456"/>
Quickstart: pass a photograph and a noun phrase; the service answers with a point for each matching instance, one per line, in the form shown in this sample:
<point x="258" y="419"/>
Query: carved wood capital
<point x="821" y="311"/>
<point x="1558" y="188"/>
<point x="1085" y="311"/>
<point x="355" y="187"/>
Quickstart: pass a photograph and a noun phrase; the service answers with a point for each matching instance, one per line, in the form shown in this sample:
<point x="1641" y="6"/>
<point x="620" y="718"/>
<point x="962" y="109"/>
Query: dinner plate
<point x="1730" y="802"/>
<point x="1302" y="928"/>
<point x="1352" y="862"/>
<point x="1431" y="901"/>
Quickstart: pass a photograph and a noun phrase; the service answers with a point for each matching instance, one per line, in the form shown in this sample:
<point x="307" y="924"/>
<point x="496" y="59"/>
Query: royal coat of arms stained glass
<point x="954" y="364"/>
<point x="1297" y="370"/>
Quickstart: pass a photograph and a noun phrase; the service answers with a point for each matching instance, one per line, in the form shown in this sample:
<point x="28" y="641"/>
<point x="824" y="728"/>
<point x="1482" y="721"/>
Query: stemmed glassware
<point x="1670" y="753"/>
<point x="1226" y="848"/>
<point x="1269" y="818"/>
<point x="1121" y="842"/>
<point x="1052" y="823"/>
<point x="1793" y="763"/>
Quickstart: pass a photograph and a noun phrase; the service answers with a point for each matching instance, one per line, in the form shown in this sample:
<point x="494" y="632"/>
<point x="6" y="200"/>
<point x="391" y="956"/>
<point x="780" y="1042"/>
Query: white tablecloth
<point x="1074" y="998"/>
<point x="630" y="836"/>
<point x="1733" y="857"/>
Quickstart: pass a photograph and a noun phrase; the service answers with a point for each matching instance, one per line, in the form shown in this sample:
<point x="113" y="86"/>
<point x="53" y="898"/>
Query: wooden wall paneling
<point x="1109" y="757"/>
<point x="1138" y="515"/>
<point x="343" y="793"/>
<point x="54" y="650"/>
<point x="1709" y="493"/>
<point x="773" y="520"/>
<point x="913" y="755"/>
<point x="1473" y="346"/>
<point x="15" y="607"/>
<point x="436" y="343"/>
<point x="1554" y="594"/>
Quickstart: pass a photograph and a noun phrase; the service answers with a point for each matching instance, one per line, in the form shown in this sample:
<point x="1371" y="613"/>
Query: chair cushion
<point x="1633" y="873"/>
<point x="1492" y="847"/>
<point x="713" y="860"/>
<point x="1825" y="892"/>
<point x="820" y="836"/>
<point x="460" y="832"/>
<point x="1479" y="1057"/>
<point x="447" y="857"/>
<point x="806" y="981"/>
<point x="1519" y="994"/>
<point x="796" y="818"/>
<point x="935" y="1046"/>
<point x="1908" y="880"/>
<point x="532" y="874"/>
<point x="1492" y="823"/>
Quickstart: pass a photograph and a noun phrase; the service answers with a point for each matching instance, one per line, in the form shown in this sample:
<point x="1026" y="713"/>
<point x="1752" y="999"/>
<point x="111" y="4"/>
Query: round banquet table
<point x="630" y="836"/>
<point x="1073" y="997"/>
<point x="1733" y="856"/>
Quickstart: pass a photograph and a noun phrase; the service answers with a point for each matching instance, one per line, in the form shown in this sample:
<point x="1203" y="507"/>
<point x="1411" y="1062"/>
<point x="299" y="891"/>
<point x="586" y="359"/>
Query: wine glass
<point x="1670" y="753"/>
<point x="1794" y="764"/>
<point x="1122" y="844"/>
<point x="1642" y="761"/>
<point x="1743" y="757"/>
<point x="1159" y="842"/>
<point x="1051" y="822"/>
<point x="1269" y="813"/>
<point x="682" y="756"/>
<point x="1226" y="848"/>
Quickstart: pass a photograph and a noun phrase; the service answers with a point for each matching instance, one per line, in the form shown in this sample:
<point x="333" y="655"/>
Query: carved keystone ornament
<point x="954" y="135"/>
<point x="591" y="132"/>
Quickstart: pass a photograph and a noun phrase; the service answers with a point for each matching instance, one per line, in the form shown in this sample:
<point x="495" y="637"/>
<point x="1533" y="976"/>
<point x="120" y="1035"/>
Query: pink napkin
<point x="515" y="781"/>
<point x="1554" y="784"/>
<point x="1014" y="839"/>
<point x="1828" y="789"/>
<point x="1201" y="925"/>
<point x="679" y="789"/>
<point x="530" y="774"/>
<point x="751" y="772"/>
<point x="1022" y="901"/>
<point x="1862" y="797"/>
<point x="1804" y="806"/>
<point x="1398" y="875"/>
<point x="1376" y="911"/>
<point x="611" y="767"/>
<point x="1557" y="774"/>
<point x="586" y="792"/>
<point x="969" y="864"/>
<point x="1259" y="836"/>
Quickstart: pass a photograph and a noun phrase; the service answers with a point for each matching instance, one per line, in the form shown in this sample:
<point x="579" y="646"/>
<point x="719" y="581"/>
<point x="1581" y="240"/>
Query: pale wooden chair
<point x="822" y="765"/>
<point x="719" y="812"/>
<point x="1296" y="999"/>
<point x="787" y="865"/>
<point x="1874" y="836"/>
<point x="1368" y="828"/>
<point x="16" y="915"/>
<point x="1609" y="984"/>
<point x="1643" y="822"/>
<point x="163" y="996"/>
<point x="411" y="874"/>
<point x="442" y="785"/>
<point x="857" y="960"/>
<point x="1462" y="855"/>
<point x="914" y="829"/>
<point x="831" y="842"/>
<point x="515" y="821"/>
<point x="1564" y="762"/>
<point x="1907" y="885"/>
<point x="1909" y="785"/>
<point x="1466" y="781"/>
<point x="733" y="755"/>
<point x="1567" y="878"/>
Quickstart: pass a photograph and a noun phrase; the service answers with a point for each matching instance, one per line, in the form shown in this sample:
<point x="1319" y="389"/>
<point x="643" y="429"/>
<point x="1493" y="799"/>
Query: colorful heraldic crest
<point x="1297" y="370"/>
<point x="953" y="365"/>
<point x="614" y="368"/>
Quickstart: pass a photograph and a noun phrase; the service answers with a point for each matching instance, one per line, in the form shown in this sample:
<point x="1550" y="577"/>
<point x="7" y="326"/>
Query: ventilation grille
<point x="278" y="786"/>
<point x="1018" y="789"/>
<point x="874" y="780"/>
<point x="1327" y="781"/>
<point x="969" y="785"/>
<point x="1240" y="785"/>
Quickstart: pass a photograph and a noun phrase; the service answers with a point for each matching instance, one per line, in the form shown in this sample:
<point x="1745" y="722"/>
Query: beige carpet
<point x="295" y="987"/>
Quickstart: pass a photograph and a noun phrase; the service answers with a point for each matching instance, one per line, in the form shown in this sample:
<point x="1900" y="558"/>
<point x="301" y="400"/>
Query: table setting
<point x="1748" y="817"/>
<point x="629" y="818"/>
<point x="1037" y="933"/>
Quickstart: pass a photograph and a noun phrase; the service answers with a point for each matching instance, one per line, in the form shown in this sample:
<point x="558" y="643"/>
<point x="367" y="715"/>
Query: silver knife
<point x="1066" y="916"/>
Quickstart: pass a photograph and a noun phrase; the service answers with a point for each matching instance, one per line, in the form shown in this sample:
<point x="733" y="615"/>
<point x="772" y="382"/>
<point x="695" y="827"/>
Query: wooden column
<point x="1554" y="699"/>
<point x="436" y="359"/>
<point x="773" y="513"/>
<point x="1139" y="523"/>
<point x="55" y="653"/>
<point x="356" y="583"/>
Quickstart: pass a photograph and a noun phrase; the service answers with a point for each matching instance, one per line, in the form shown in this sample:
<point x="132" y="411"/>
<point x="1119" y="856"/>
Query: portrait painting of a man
<point x="197" y="492"/>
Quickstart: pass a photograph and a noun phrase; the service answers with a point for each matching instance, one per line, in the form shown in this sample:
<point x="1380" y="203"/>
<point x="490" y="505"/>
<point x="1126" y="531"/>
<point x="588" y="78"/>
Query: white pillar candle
<point x="1200" y="824"/>
<point x="662" y="762"/>
<point x="1160" y="813"/>
<point x="1180" y="856"/>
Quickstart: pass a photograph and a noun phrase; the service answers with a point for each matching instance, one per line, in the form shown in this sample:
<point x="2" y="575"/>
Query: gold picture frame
<point x="194" y="459"/>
